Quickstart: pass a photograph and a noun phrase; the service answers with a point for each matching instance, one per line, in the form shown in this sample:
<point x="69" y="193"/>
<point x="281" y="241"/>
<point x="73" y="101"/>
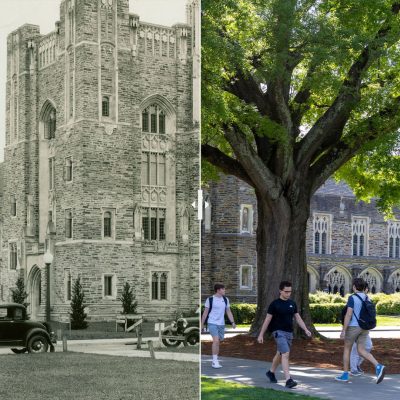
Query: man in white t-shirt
<point x="215" y="309"/>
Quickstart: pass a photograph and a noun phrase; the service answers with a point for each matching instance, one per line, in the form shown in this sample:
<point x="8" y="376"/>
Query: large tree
<point x="294" y="91"/>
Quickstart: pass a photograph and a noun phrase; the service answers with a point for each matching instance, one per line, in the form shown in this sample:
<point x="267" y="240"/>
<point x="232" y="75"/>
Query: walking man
<point x="214" y="313"/>
<point x="352" y="332"/>
<point x="279" y="320"/>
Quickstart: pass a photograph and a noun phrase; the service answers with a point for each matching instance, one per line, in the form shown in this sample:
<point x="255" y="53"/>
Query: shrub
<point x="129" y="304"/>
<point x="326" y="298"/>
<point x="326" y="313"/>
<point x="243" y="313"/>
<point x="78" y="316"/>
<point x="18" y="294"/>
<point x="388" y="307"/>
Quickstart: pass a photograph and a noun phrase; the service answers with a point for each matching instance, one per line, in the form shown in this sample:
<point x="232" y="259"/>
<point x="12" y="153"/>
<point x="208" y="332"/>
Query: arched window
<point x="159" y="286"/>
<point x="49" y="120"/>
<point x="105" y="106"/>
<point x="107" y="224"/>
<point x="13" y="256"/>
<point x="68" y="169"/>
<point x="153" y="120"/>
<point x="336" y="282"/>
<point x="68" y="224"/>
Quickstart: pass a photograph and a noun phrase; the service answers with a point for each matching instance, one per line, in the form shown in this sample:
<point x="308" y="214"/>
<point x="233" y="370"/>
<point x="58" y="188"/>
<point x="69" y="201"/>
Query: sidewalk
<point x="312" y="381"/>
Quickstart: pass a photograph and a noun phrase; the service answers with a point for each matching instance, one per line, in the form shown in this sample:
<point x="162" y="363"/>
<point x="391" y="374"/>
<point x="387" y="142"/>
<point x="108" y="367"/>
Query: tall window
<point x="68" y="224"/>
<point x="153" y="223"/>
<point x="360" y="236"/>
<point x="52" y="168"/>
<point x="246" y="277"/>
<point x="246" y="218"/>
<point x="52" y="124"/>
<point x="107" y="224"/>
<point x="159" y="286"/>
<point x="68" y="169"/>
<point x="394" y="239"/>
<point x="109" y="285"/>
<point x="105" y="106"/>
<point x="68" y="285"/>
<point x="13" y="256"/>
<point x="153" y="120"/>
<point x="153" y="169"/>
<point x="322" y="233"/>
<point x="13" y="204"/>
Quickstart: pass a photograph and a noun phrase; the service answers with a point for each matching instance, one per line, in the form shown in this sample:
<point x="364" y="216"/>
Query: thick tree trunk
<point x="281" y="254"/>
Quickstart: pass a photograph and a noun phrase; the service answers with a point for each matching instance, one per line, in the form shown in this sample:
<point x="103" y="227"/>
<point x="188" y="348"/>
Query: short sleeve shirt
<point x="217" y="314"/>
<point x="355" y="303"/>
<point x="282" y="312"/>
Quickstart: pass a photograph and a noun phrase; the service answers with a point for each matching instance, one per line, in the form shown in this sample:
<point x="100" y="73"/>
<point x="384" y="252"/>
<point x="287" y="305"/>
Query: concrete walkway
<point x="311" y="381"/>
<point x="120" y="347"/>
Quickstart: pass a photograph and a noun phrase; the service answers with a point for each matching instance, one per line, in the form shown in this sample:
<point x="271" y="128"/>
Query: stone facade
<point x="101" y="161"/>
<point x="345" y="238"/>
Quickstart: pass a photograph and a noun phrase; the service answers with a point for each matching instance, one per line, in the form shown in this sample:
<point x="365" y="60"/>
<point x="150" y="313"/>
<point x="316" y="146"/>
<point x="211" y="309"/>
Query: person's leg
<point x="215" y="346"/>
<point x="354" y="358"/>
<point x="275" y="362"/>
<point x="361" y="347"/>
<point x="285" y="365"/>
<point x="346" y="355"/>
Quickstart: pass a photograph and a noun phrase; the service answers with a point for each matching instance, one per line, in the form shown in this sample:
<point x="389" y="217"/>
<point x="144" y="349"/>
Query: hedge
<point x="327" y="313"/>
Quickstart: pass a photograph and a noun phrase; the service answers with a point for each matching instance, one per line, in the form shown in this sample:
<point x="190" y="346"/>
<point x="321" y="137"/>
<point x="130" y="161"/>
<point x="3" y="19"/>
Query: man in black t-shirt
<point x="279" y="319"/>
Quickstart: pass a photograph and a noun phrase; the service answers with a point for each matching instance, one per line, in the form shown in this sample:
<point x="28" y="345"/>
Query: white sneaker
<point x="216" y="364"/>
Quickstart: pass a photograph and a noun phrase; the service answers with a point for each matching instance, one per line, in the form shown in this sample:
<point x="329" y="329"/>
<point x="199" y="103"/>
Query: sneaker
<point x="271" y="377"/>
<point x="216" y="364"/>
<point x="355" y="373"/>
<point x="290" y="383"/>
<point x="380" y="373"/>
<point x="342" y="378"/>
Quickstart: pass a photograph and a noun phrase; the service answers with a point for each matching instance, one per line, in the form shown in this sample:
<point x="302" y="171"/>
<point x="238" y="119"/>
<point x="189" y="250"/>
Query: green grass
<point x="218" y="389"/>
<point x="382" y="320"/>
<point x="65" y="376"/>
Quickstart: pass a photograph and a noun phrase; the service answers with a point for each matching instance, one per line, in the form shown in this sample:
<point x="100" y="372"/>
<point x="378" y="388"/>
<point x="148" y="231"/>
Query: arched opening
<point x="35" y="292"/>
<point x="313" y="279"/>
<point x="394" y="280"/>
<point x="373" y="278"/>
<point x="338" y="281"/>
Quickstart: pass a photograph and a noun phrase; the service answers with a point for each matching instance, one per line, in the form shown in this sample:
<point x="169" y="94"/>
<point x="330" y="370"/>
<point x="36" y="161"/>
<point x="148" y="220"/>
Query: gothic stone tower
<point x="101" y="162"/>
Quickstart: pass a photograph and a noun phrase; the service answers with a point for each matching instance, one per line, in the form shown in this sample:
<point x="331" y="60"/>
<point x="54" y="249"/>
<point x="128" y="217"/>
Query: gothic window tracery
<point x="159" y="286"/>
<point x="336" y="282"/>
<point x="360" y="236"/>
<point x="394" y="239"/>
<point x="322" y="233"/>
<point x="373" y="281"/>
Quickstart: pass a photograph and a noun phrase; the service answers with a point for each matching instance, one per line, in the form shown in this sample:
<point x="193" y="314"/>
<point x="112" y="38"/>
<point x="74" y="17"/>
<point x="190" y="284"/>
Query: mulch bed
<point x="320" y="353"/>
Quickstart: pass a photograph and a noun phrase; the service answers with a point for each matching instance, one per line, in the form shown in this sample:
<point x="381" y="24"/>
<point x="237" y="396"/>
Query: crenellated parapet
<point x="154" y="40"/>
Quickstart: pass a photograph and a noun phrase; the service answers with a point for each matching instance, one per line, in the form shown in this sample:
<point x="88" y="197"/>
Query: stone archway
<point x="373" y="278"/>
<point x="394" y="280"/>
<point x="338" y="281"/>
<point x="313" y="279"/>
<point x="35" y="291"/>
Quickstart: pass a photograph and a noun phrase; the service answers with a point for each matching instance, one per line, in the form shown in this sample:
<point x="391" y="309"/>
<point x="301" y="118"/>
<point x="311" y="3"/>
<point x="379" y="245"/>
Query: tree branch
<point x="264" y="180"/>
<point x="330" y="126"/>
<point x="225" y="163"/>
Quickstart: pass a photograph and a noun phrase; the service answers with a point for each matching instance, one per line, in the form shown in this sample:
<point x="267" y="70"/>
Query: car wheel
<point x="38" y="344"/>
<point x="170" y="342"/>
<point x="192" y="338"/>
<point x="19" y="351"/>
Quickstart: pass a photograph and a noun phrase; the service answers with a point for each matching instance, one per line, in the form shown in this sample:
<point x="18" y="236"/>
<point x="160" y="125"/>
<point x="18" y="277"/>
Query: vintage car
<point x="183" y="330"/>
<point x="21" y="334"/>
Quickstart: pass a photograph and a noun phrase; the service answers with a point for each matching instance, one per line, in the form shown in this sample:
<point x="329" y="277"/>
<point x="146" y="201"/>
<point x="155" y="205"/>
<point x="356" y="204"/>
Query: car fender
<point x="35" y="331"/>
<point x="191" y="329"/>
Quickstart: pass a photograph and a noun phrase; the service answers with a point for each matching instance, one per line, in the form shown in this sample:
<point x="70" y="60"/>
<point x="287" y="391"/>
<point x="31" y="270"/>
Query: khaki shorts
<point x="356" y="334"/>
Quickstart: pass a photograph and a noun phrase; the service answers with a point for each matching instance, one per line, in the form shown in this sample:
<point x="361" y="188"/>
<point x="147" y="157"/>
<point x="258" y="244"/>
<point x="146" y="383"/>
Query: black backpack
<point x="367" y="317"/>
<point x="210" y="301"/>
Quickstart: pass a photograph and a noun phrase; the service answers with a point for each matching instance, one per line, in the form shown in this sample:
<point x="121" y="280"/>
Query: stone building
<point x="346" y="238"/>
<point x="101" y="161"/>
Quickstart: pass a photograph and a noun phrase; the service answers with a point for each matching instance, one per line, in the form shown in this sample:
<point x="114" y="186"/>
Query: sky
<point x="14" y="13"/>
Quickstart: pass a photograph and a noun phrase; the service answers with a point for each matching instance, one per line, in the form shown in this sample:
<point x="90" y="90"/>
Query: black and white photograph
<point x="99" y="199"/>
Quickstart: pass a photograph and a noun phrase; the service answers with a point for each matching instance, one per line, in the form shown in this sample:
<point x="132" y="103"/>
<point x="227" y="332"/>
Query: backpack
<point x="210" y="301"/>
<point x="367" y="317"/>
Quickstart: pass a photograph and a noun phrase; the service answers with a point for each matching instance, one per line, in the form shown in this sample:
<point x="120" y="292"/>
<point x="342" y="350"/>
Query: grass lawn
<point x="382" y="320"/>
<point x="218" y="389"/>
<point x="65" y="376"/>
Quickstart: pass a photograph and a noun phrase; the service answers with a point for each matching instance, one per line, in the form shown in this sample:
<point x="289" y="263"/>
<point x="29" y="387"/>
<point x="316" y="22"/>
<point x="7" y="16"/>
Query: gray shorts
<point x="216" y="330"/>
<point x="283" y="341"/>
